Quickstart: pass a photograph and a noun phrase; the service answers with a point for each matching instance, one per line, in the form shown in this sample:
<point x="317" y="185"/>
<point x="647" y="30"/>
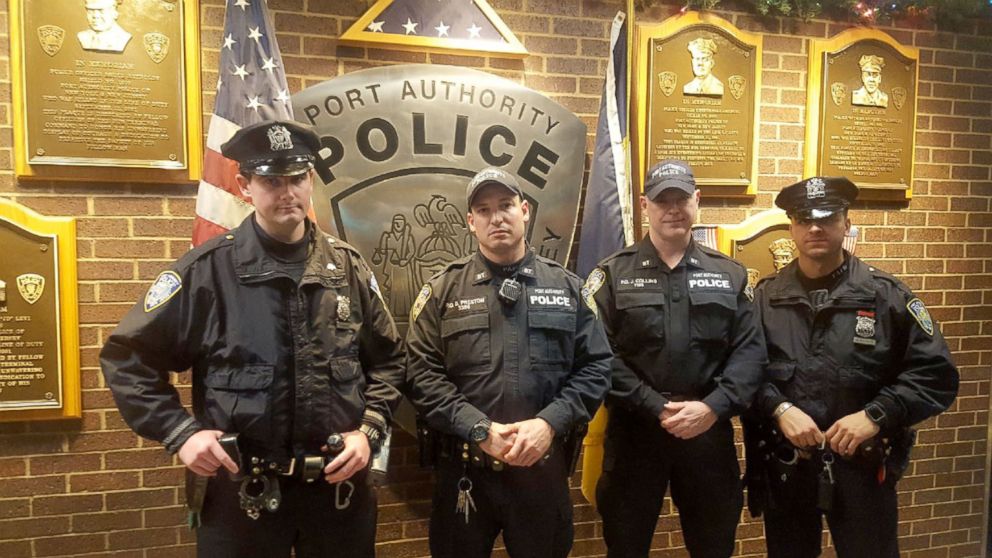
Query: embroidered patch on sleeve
<point x="418" y="305"/>
<point x="922" y="315"/>
<point x="166" y="285"/>
<point x="593" y="283"/>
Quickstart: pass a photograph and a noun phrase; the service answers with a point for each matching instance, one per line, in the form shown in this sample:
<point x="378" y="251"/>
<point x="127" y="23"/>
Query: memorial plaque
<point x="39" y="347"/>
<point x="861" y="112"/>
<point x="698" y="90"/>
<point x="105" y="83"/>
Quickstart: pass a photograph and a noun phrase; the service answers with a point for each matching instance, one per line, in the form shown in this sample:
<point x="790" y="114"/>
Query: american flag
<point x="440" y="19"/>
<point x="251" y="87"/>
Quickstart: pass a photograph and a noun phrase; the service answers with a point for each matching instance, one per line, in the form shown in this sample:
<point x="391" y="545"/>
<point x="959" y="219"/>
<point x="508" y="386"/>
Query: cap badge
<point x="815" y="188"/>
<point x="279" y="138"/>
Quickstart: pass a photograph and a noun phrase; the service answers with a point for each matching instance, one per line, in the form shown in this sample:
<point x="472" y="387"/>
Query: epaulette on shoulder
<point x="713" y="253"/>
<point x="623" y="252"/>
<point x="219" y="241"/>
<point x="886" y="277"/>
<point x="555" y="263"/>
<point x="453" y="264"/>
<point x="336" y="243"/>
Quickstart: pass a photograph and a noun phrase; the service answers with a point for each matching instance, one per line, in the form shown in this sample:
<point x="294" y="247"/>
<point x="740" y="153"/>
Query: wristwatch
<point x="480" y="432"/>
<point x="876" y="413"/>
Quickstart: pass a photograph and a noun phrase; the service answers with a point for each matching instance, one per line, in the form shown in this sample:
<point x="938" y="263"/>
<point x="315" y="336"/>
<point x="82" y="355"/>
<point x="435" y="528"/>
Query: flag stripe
<point x="251" y="88"/>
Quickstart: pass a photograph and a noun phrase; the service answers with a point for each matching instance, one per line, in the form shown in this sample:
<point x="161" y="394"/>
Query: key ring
<point x="464" y="484"/>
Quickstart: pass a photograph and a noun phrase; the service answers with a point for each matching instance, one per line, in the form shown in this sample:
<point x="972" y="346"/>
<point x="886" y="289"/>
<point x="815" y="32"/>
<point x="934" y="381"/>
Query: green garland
<point x="944" y="13"/>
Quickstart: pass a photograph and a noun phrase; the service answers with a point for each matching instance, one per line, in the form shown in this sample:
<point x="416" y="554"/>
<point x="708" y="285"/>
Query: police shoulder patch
<point x="593" y="283"/>
<point x="166" y="285"/>
<point x="418" y="305"/>
<point x="922" y="315"/>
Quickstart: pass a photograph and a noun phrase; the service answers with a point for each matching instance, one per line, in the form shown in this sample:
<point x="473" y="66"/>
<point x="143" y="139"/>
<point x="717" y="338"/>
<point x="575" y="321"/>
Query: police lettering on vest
<point x="705" y="280"/>
<point x="550" y="297"/>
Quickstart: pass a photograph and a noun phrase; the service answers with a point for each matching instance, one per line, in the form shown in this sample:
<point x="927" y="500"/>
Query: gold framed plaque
<point x="698" y="84"/>
<point x="106" y="89"/>
<point x="861" y="112"/>
<point x="39" y="316"/>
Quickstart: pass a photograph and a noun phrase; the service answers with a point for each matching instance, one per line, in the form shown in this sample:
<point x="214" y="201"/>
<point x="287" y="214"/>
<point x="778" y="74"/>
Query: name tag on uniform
<point x="634" y="283"/>
<point x="549" y="297"/>
<point x="466" y="304"/>
<point x="709" y="281"/>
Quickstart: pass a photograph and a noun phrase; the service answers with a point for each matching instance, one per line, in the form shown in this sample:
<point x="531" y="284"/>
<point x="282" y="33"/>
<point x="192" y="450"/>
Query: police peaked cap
<point x="817" y="197"/>
<point x="273" y="148"/>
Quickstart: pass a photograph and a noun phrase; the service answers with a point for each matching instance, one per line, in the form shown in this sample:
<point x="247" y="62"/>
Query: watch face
<point x="875" y="413"/>
<point x="479" y="433"/>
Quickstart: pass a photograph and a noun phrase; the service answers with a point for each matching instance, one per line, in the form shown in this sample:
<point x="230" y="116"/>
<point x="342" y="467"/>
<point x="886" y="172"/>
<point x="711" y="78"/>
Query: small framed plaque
<point x="698" y="83"/>
<point x="106" y="90"/>
<point x="39" y="317"/>
<point x="861" y="112"/>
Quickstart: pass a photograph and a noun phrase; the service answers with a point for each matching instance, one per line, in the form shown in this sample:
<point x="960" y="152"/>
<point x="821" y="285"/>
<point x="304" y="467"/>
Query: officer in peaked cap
<point x="855" y="360"/>
<point x="292" y="350"/>
<point x="817" y="197"/>
<point x="689" y="356"/>
<point x="273" y="148"/>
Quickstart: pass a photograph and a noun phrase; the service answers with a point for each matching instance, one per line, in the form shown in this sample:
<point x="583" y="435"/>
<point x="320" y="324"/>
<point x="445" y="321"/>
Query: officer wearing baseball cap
<point x="856" y="361"/>
<point x="689" y="356"/>
<point x="488" y="176"/>
<point x="506" y="364"/>
<point x="296" y="362"/>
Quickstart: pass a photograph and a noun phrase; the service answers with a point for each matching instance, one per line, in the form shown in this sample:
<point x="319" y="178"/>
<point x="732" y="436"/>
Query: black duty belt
<point x="455" y="449"/>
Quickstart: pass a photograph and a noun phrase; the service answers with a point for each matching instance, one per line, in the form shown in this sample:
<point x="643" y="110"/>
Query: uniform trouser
<point x="641" y="460"/>
<point x="315" y="519"/>
<point x="531" y="506"/>
<point x="862" y="519"/>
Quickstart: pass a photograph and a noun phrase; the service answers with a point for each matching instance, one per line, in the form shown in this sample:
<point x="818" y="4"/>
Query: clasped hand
<point x="520" y="444"/>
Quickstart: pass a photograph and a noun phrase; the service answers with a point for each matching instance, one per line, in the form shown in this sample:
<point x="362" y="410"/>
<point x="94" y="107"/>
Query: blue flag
<point x="607" y="220"/>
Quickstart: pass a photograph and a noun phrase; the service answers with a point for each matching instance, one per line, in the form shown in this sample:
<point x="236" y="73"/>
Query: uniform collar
<point x="859" y="282"/>
<point x="253" y="264"/>
<point x="481" y="273"/>
<point x="647" y="255"/>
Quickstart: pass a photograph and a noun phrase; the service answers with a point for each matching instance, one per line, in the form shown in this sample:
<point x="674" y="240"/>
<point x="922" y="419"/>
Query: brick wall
<point x="92" y="488"/>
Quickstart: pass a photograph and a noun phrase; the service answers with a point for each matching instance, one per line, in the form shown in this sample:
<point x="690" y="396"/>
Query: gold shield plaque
<point x="703" y="105"/>
<point x="861" y="112"/>
<point x="106" y="90"/>
<point x="50" y="37"/>
<point x="39" y="327"/>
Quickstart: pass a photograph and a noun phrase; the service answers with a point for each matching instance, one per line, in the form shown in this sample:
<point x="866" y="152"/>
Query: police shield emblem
<point x="898" y="97"/>
<point x="344" y="308"/>
<point x="166" y="285"/>
<point x="815" y="188"/>
<point x="593" y="283"/>
<point x="667" y="81"/>
<point x="737" y="85"/>
<point x="392" y="180"/>
<point x="156" y="46"/>
<point x="838" y="92"/>
<point x="50" y="37"/>
<point x="279" y="138"/>
<point x="31" y="286"/>
<point x="865" y="326"/>
<point x="418" y="305"/>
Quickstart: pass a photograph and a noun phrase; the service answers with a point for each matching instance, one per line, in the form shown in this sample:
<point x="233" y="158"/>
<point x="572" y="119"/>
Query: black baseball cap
<point x="491" y="175"/>
<point x="668" y="174"/>
<point x="817" y="197"/>
<point x="273" y="148"/>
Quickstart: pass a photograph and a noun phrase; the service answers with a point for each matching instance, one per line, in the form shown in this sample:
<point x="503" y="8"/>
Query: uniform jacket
<point x="284" y="365"/>
<point x="872" y="340"/>
<point x="471" y="357"/>
<point x="696" y="338"/>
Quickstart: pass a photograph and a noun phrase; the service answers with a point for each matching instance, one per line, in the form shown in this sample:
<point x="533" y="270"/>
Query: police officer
<point x="855" y="359"/>
<point x="506" y="362"/>
<point x="689" y="356"/>
<point x="290" y="343"/>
